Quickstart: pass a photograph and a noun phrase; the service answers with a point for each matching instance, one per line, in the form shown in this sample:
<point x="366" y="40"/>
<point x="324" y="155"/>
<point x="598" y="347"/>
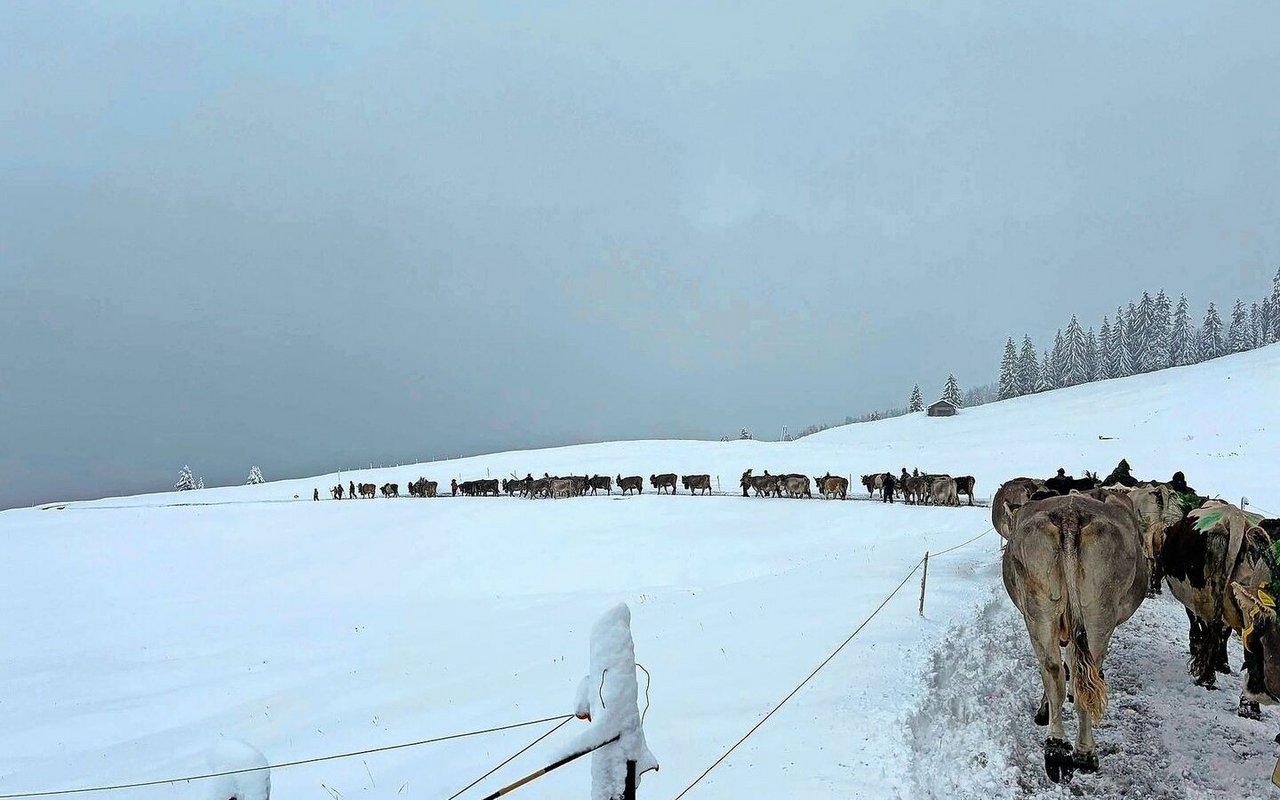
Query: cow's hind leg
<point x="1058" y="763"/>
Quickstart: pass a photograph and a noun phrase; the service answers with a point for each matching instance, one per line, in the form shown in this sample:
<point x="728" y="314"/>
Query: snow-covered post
<point x="608" y="698"/>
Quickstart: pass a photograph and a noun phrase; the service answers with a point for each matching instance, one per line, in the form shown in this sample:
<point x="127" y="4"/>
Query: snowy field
<point x="141" y="631"/>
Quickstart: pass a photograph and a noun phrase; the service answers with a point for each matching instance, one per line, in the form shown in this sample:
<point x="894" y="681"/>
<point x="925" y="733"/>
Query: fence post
<point x="924" y="578"/>
<point x="629" y="789"/>
<point x="717" y="484"/>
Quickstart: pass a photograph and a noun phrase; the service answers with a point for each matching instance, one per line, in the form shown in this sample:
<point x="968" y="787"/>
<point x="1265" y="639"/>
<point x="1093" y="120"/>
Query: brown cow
<point x="1075" y="569"/>
<point x="666" y="480"/>
<point x="632" y="483"/>
<point x="697" y="483"/>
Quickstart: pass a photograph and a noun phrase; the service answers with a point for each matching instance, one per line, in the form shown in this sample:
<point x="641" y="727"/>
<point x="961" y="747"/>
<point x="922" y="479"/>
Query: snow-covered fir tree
<point x="1211" y="343"/>
<point x="916" y="403"/>
<point x="1075" y="370"/>
<point x="186" y="481"/>
<point x="1255" y="326"/>
<point x="255" y="476"/>
<point x="1106" y="351"/>
<point x="1182" y="349"/>
<point x="1118" y="352"/>
<point x="1133" y="340"/>
<point x="1055" y="368"/>
<point x="746" y="434"/>
<point x="1091" y="356"/>
<point x="1161" y="322"/>
<point x="1028" y="368"/>
<point x="1043" y="385"/>
<point x="200" y="482"/>
<point x="1264" y="322"/>
<point x="1140" y="334"/>
<point x="1008" y="371"/>
<point x="1238" y="330"/>
<point x="1275" y="309"/>
<point x="951" y="392"/>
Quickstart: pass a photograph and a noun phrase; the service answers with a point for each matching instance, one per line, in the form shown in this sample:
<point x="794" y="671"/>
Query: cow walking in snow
<point x="632" y="483"/>
<point x="1075" y="569"/>
<point x="664" y="482"/>
<point x="697" y="483"/>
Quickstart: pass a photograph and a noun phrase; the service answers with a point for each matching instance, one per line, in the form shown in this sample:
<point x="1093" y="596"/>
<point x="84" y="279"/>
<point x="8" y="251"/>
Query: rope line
<point x="804" y="682"/>
<point x="286" y="764"/>
<point x="511" y="758"/>
<point x="962" y="544"/>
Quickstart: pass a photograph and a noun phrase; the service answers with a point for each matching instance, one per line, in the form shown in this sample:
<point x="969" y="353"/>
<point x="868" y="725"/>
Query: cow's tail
<point x="1086" y="680"/>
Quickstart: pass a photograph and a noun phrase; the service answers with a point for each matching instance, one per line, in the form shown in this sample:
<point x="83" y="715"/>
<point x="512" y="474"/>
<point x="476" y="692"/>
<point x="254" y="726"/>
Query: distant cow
<point x="964" y="485"/>
<point x="764" y="485"/>
<point x="368" y="490"/>
<point x="796" y="485"/>
<point x="599" y="482"/>
<point x="942" y="491"/>
<point x="666" y="480"/>
<point x="1065" y="484"/>
<point x="563" y="487"/>
<point x="632" y="483"/>
<point x="697" y="483"/>
<point x="831" y="486"/>
<point x="1012" y="495"/>
<point x="873" y="483"/>
<point x="540" y="488"/>
<point x="1075" y="569"/>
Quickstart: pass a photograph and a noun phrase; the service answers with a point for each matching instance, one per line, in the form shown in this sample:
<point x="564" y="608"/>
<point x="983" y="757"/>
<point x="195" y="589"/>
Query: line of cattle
<point x="1082" y="554"/>
<point x="925" y="489"/>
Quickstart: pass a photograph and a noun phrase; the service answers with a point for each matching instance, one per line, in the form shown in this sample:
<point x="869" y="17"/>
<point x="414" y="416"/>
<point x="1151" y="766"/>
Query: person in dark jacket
<point x="1179" y="484"/>
<point x="888" y="488"/>
<point x="1120" y="475"/>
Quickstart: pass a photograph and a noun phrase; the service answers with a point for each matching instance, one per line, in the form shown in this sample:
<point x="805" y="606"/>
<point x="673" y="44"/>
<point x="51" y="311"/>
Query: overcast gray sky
<point x="312" y="236"/>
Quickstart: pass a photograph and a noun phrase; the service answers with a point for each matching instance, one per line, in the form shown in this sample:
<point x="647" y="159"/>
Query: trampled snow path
<point x="1163" y="737"/>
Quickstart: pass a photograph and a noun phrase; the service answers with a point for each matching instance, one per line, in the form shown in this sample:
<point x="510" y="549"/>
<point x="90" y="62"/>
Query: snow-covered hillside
<point x="140" y="631"/>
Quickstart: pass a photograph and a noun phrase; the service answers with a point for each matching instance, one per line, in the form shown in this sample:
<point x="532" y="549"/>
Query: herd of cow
<point x="919" y="488"/>
<point x="1081" y="554"/>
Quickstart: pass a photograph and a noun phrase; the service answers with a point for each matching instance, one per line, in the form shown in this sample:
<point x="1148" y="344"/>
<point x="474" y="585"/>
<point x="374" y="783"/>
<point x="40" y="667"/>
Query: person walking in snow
<point x="315" y="494"/>
<point x="888" y="488"/>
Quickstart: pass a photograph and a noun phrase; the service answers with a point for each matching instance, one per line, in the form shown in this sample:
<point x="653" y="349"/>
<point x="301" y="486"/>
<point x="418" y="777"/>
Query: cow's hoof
<point x="1086" y="762"/>
<point x="1058" y="761"/>
<point x="1224" y="668"/>
<point x="1208" y="683"/>
<point x="1248" y="710"/>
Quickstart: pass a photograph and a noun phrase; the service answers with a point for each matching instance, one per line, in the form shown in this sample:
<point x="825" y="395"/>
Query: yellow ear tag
<point x="1266" y="599"/>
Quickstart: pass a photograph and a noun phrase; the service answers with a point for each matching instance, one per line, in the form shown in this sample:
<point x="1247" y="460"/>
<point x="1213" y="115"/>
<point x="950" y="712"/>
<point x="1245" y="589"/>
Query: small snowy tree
<point x="1042" y="384"/>
<point x="1120" y="346"/>
<point x="186" y="481"/>
<point x="255" y="476"/>
<point x="1008" y="371"/>
<point x="1212" y="344"/>
<point x="917" y="402"/>
<point x="746" y="434"/>
<point x="1238" y="330"/>
<point x="1267" y="322"/>
<point x="951" y="392"/>
<point x="1255" y="326"/>
<point x="1182" y="349"/>
<point x="1028" y="368"/>
<point x="1053" y="369"/>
